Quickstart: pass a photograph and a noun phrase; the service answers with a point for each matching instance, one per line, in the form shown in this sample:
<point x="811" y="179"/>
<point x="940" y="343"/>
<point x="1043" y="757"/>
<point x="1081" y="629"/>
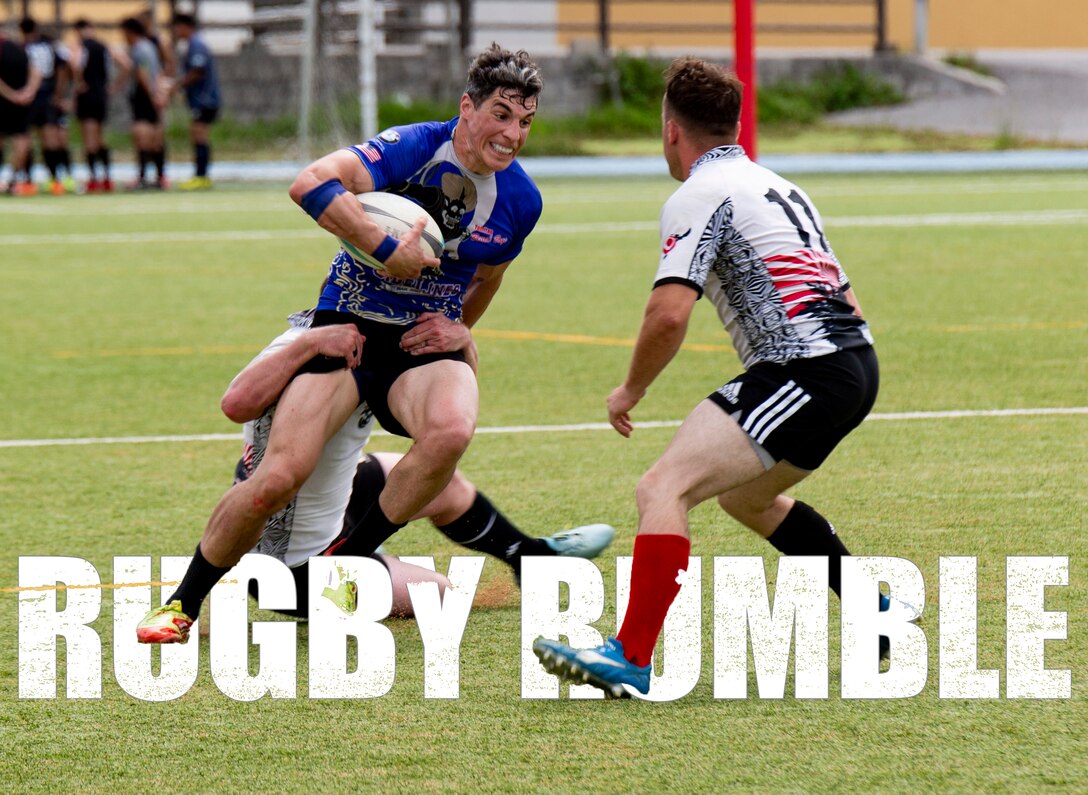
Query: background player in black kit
<point x="18" y="85"/>
<point x="48" y="114"/>
<point x="91" y="68"/>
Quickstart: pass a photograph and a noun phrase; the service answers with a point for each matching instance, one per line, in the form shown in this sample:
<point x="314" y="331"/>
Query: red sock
<point x="659" y="559"/>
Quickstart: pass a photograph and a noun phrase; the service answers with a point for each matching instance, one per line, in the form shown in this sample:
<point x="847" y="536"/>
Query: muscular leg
<point x="760" y="504"/>
<point x="451" y="503"/>
<point x="709" y="455"/>
<point x="309" y="412"/>
<point x="468" y="518"/>
<point x="791" y="526"/>
<point x="437" y="404"/>
<point x="311" y="409"/>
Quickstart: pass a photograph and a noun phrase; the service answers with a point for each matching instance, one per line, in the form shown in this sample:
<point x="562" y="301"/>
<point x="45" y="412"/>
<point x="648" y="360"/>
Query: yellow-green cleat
<point x="345" y="595"/>
<point x="166" y="624"/>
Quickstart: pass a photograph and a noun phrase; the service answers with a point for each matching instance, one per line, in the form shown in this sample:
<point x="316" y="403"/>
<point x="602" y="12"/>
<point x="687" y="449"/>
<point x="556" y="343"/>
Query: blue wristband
<point x="315" y="201"/>
<point x="385" y="249"/>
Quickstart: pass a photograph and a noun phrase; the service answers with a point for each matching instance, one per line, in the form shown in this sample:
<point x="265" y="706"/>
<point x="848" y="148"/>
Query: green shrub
<point x="966" y="60"/>
<point x="641" y="81"/>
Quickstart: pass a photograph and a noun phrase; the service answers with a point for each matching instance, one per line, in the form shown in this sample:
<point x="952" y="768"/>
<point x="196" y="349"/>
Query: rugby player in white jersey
<point x="345" y="483"/>
<point x="754" y="244"/>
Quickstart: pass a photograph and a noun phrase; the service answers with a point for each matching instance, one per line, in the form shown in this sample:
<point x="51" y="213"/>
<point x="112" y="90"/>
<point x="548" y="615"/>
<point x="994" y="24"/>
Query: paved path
<point x="1045" y="100"/>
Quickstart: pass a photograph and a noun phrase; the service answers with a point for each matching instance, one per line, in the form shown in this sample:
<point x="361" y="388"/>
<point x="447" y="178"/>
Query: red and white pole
<point x="744" y="60"/>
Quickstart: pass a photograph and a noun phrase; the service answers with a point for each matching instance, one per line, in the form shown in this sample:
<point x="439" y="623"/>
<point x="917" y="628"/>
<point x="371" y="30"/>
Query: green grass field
<point x="126" y="316"/>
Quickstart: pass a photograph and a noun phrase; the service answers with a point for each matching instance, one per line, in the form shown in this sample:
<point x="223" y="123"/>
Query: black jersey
<point x="95" y="66"/>
<point x="14" y="65"/>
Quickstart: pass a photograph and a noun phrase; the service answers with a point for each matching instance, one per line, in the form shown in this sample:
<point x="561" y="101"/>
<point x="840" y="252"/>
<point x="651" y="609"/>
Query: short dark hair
<point x="27" y="25"/>
<point x="185" y="19"/>
<point x="82" y="24"/>
<point x="497" y="68"/>
<point x="705" y="98"/>
<point x="133" y="25"/>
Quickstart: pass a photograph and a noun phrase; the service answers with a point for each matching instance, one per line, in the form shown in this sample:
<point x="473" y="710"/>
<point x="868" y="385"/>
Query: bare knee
<point x="273" y="487"/>
<point x="446" y="441"/>
<point x="654" y="490"/>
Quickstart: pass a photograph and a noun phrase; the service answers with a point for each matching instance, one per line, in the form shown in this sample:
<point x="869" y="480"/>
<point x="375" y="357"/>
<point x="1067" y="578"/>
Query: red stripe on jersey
<point x="795" y="275"/>
<point x="820" y="266"/>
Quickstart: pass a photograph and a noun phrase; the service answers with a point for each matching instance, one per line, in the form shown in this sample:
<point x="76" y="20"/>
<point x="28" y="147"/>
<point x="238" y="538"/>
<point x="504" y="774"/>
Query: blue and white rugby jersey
<point x="484" y="220"/>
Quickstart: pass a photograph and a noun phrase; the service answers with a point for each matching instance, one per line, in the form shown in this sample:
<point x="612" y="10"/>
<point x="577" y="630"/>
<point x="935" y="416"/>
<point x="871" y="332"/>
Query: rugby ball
<point x="396" y="215"/>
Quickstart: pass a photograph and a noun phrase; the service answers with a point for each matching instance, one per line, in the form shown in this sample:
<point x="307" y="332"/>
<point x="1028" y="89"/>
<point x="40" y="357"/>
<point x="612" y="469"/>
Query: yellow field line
<point x="570" y="339"/>
<point x="103" y="585"/>
<point x="583" y="339"/>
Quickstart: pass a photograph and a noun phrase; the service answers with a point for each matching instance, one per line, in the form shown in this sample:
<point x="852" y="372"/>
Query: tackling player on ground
<point x="753" y="243"/>
<point x="343" y="487"/>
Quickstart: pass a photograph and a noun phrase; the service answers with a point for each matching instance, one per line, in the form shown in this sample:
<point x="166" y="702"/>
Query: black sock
<point x="92" y="159"/>
<point x="369" y="533"/>
<point x="805" y="532"/>
<point x="160" y="163"/>
<point x="50" y="156"/>
<point x="104" y="159"/>
<point x="202" y="155"/>
<point x="64" y="158"/>
<point x="144" y="158"/>
<point x="484" y="529"/>
<point x="199" y="579"/>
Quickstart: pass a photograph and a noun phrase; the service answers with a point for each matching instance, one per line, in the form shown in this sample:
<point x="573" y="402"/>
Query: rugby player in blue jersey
<point x="406" y="358"/>
<point x="200" y="84"/>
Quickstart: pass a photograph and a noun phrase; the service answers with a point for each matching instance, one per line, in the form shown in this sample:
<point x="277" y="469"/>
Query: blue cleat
<point x="912" y="613"/>
<point x="587" y="541"/>
<point x="604" y="667"/>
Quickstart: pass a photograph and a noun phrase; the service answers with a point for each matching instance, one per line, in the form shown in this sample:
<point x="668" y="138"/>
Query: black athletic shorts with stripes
<point x="799" y="411"/>
<point x="365" y="488"/>
<point x="383" y="362"/>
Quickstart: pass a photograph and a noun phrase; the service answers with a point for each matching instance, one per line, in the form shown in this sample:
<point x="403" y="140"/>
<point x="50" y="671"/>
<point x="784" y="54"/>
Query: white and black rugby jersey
<point x="754" y="243"/>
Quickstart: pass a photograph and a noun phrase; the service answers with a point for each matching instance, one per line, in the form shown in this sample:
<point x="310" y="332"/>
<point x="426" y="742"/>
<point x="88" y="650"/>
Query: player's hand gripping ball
<point x="395" y="215"/>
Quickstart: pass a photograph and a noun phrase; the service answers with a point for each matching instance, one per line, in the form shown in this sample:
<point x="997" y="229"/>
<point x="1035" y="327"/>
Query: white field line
<point x="1010" y="218"/>
<point x="585" y="426"/>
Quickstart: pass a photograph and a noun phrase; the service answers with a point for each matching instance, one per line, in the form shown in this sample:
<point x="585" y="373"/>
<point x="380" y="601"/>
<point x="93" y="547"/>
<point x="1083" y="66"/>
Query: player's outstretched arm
<point x="664" y="325"/>
<point x="325" y="190"/>
<point x="260" y="383"/>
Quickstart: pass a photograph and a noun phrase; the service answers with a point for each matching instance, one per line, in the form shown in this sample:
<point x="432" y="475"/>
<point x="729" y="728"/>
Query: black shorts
<point x="382" y="364"/>
<point x="204" y="115"/>
<point x="14" y="119"/>
<point x="92" y="106"/>
<point x="143" y="109"/>
<point x="43" y="113"/>
<point x="799" y="411"/>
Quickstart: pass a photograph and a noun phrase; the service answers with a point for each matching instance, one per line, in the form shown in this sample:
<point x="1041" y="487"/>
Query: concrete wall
<point x="953" y="24"/>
